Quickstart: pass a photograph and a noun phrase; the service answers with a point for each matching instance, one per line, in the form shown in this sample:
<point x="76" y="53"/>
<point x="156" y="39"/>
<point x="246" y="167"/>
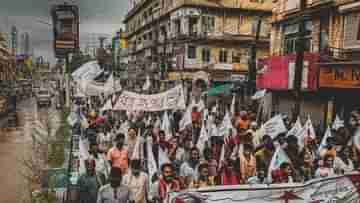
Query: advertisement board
<point x="66" y="29"/>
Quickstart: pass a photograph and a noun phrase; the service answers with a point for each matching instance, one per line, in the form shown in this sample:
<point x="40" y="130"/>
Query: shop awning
<point x="221" y="90"/>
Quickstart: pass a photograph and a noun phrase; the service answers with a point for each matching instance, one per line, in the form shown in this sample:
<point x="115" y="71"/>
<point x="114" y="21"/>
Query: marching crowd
<point x="132" y="157"/>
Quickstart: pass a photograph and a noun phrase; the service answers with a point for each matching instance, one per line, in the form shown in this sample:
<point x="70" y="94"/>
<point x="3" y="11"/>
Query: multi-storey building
<point x="7" y="68"/>
<point x="191" y="35"/>
<point x="331" y="59"/>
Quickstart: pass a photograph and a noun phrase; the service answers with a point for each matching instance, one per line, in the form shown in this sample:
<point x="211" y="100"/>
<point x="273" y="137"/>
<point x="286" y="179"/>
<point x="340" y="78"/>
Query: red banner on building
<point x="278" y="72"/>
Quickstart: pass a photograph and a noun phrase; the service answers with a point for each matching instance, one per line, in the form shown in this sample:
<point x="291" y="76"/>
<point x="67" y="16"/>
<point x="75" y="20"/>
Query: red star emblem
<point x="289" y="195"/>
<point x="355" y="179"/>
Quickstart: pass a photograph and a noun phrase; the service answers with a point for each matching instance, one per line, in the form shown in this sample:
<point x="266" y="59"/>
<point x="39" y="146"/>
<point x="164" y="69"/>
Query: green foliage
<point x="44" y="197"/>
<point x="56" y="156"/>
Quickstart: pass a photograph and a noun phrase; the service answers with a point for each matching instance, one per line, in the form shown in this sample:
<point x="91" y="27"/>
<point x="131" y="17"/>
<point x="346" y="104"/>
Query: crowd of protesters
<point x="117" y="168"/>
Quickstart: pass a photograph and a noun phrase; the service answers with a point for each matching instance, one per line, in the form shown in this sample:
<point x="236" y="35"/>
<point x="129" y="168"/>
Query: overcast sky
<point x="96" y="17"/>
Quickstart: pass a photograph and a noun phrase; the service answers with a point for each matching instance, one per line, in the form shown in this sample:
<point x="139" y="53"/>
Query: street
<point x="15" y="147"/>
<point x="178" y="101"/>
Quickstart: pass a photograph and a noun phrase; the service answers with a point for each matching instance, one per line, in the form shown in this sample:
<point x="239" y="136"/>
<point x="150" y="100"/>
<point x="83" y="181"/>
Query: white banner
<point x="274" y="126"/>
<point x="342" y="189"/>
<point x="88" y="71"/>
<point x="171" y="99"/>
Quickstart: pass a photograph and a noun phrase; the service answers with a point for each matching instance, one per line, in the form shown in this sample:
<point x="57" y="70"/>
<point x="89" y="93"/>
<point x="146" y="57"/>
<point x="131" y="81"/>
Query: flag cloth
<point x="215" y="108"/>
<point x="72" y="119"/>
<point x="186" y="119"/>
<point x="166" y="126"/>
<point x="163" y="157"/>
<point x="109" y="86"/>
<point x="222" y="157"/>
<point x="232" y="108"/>
<point x="296" y="128"/>
<point x="338" y="123"/>
<point x="226" y="125"/>
<point x="124" y="127"/>
<point x="83" y="154"/>
<point x="157" y="123"/>
<point x="151" y="163"/>
<point x="323" y="143"/>
<point x="147" y="84"/>
<point x="137" y="153"/>
<point x="307" y="132"/>
<point x="200" y="105"/>
<point x="107" y="106"/>
<point x="274" y="126"/>
<point x="278" y="158"/>
<point x="203" y="138"/>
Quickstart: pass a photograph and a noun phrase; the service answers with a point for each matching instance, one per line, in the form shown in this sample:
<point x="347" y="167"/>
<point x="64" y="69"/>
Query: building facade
<point x="331" y="57"/>
<point x="173" y="36"/>
<point x="7" y="66"/>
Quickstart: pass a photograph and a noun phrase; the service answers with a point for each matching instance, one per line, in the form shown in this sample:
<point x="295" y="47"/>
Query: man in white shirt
<point x="137" y="181"/>
<point x="115" y="192"/>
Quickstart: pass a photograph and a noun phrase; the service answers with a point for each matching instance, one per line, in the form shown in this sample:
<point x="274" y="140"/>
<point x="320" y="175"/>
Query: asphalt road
<point x="15" y="146"/>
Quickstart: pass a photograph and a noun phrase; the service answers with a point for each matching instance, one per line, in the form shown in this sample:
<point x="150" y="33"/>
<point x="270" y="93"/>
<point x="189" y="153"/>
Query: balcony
<point x="338" y="54"/>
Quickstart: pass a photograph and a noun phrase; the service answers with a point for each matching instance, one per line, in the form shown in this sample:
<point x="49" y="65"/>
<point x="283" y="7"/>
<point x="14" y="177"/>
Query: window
<point x="208" y="24"/>
<point x="223" y="56"/>
<point x="191" y="52"/>
<point x="254" y="26"/>
<point x="352" y="30"/>
<point x="240" y="56"/>
<point x="291" y="37"/>
<point x="324" y="33"/>
<point x="206" y="54"/>
<point x="292" y="4"/>
<point x="193" y="26"/>
<point x="236" y="56"/>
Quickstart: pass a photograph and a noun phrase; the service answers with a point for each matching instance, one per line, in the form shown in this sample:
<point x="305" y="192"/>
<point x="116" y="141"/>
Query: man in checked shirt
<point x="115" y="192"/>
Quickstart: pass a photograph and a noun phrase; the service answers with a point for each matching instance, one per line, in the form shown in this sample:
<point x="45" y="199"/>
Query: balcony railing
<point x="333" y="53"/>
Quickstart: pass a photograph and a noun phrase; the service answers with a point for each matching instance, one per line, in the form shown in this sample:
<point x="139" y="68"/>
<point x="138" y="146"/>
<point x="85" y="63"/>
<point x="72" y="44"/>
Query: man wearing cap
<point x="115" y="192"/>
<point x="118" y="156"/>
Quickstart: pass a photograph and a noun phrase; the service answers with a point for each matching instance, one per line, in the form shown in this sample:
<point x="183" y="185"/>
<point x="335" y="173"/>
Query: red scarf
<point x="162" y="188"/>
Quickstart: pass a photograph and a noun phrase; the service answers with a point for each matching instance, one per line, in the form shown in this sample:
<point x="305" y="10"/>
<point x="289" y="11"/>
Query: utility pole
<point x="299" y="63"/>
<point x="67" y="81"/>
<point x="252" y="61"/>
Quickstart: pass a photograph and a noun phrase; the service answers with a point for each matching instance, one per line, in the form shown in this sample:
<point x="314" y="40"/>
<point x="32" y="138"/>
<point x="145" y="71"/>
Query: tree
<point x="49" y="136"/>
